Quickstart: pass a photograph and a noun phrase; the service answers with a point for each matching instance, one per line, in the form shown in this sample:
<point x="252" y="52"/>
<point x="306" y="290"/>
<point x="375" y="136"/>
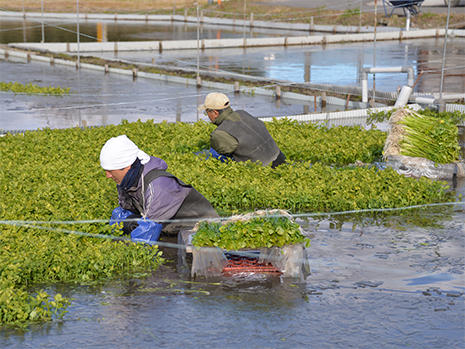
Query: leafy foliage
<point x="338" y="146"/>
<point x="31" y="88"/>
<point x="377" y="117"/>
<point x="54" y="175"/>
<point x="454" y="117"/>
<point x="254" y="233"/>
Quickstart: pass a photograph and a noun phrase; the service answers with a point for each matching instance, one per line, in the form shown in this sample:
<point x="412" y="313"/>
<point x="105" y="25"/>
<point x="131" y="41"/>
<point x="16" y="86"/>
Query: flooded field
<point x="396" y="284"/>
<point x="30" y="30"/>
<point x="96" y="99"/>
<point x="333" y="64"/>
<point x="397" y="281"/>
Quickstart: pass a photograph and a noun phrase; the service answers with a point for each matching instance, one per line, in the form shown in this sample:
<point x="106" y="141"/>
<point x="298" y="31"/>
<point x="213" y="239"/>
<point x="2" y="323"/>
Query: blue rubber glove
<point x="148" y="231"/>
<point x="119" y="214"/>
<point x="213" y="153"/>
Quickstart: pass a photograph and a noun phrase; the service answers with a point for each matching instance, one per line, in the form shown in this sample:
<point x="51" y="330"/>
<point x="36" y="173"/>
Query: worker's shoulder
<point x="220" y="134"/>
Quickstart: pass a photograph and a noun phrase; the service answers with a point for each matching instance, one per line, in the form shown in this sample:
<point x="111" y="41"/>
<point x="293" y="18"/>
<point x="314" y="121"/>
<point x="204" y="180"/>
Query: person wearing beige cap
<point x="239" y="135"/>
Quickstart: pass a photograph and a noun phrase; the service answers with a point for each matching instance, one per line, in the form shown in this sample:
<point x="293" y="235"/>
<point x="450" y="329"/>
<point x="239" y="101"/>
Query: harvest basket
<point x="288" y="261"/>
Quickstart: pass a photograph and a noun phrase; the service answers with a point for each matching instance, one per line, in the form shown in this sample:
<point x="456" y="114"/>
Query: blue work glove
<point x="119" y="214"/>
<point x="213" y="153"/>
<point x="148" y="231"/>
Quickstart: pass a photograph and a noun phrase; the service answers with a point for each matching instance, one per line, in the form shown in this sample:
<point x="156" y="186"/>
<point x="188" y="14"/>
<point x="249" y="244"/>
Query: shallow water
<point x="30" y="30"/>
<point x="392" y="284"/>
<point x="96" y="99"/>
<point x="336" y="64"/>
<point x="397" y="286"/>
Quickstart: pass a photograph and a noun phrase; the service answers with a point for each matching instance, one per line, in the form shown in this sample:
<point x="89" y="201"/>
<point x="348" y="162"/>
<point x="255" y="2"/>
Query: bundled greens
<point x="254" y="233"/>
<point x="430" y="138"/>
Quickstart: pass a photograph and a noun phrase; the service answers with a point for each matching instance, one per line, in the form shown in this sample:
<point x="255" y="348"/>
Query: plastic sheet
<point x="291" y="260"/>
<point x="207" y="261"/>
<point x="421" y="167"/>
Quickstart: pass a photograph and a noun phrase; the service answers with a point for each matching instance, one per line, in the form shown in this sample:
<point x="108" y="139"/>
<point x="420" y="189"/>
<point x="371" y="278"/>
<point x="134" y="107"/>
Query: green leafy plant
<point x="55" y="175"/>
<point x="31" y="88"/>
<point x="253" y="233"/>
<point x="377" y="117"/>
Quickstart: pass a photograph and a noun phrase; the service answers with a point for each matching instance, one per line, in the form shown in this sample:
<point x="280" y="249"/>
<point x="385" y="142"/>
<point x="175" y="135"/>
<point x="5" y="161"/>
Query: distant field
<point x="235" y="9"/>
<point x="97" y="5"/>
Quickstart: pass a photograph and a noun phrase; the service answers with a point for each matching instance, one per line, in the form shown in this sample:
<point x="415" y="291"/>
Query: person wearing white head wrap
<point x="120" y="152"/>
<point x="147" y="191"/>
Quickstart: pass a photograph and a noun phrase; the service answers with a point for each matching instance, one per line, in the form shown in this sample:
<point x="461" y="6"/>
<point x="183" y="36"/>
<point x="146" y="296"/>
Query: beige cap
<point x="215" y="101"/>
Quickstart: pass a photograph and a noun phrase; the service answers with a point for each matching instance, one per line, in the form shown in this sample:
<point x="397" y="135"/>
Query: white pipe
<point x="373" y="70"/>
<point x="364" y="90"/>
<point x="404" y="95"/>
<point x="425" y="100"/>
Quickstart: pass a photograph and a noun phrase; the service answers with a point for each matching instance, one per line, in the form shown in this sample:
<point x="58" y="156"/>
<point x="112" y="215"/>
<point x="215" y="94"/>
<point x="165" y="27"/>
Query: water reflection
<point x="401" y="284"/>
<point x="332" y="64"/>
<point x="30" y="30"/>
<point x="96" y="99"/>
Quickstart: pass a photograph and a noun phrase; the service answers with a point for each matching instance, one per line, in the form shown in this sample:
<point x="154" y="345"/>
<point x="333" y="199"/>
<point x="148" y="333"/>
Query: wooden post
<point x="347" y="101"/>
<point x="236" y="87"/>
<point x="323" y="99"/>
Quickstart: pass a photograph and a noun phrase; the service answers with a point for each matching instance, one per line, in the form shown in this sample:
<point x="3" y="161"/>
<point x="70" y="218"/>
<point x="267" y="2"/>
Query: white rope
<point x="295" y="215"/>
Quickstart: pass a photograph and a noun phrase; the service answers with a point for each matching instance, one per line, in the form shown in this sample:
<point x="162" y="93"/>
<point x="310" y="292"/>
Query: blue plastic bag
<point x="148" y="231"/>
<point x="119" y="214"/>
<point x="213" y="153"/>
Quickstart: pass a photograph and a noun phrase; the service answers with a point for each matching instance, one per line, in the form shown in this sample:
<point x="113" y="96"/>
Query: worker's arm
<point x="142" y="230"/>
<point x="223" y="142"/>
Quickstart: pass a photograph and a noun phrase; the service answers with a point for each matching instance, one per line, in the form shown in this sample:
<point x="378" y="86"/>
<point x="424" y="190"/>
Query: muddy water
<point x="394" y="284"/>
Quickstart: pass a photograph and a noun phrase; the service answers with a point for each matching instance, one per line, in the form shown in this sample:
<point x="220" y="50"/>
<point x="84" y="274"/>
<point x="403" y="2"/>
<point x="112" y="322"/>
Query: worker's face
<point x="117" y="175"/>
<point x="212" y="114"/>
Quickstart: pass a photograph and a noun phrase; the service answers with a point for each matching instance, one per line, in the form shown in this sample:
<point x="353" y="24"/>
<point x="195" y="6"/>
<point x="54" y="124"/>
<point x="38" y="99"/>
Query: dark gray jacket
<point x="254" y="142"/>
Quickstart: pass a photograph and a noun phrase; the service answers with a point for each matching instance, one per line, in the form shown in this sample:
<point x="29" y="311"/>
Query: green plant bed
<point x="31" y="256"/>
<point x="55" y="175"/>
<point x="31" y="88"/>
<point x="339" y="146"/>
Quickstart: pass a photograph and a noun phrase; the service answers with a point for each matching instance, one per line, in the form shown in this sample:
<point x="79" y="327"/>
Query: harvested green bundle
<point x="254" y="233"/>
<point x="430" y="138"/>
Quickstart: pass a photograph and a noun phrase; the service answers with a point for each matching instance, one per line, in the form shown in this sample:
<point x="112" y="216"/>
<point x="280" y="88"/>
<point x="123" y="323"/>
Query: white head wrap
<point x="120" y="152"/>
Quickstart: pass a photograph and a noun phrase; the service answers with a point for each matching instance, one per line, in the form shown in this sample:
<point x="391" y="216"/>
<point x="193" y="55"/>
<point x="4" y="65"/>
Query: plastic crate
<point x="247" y="265"/>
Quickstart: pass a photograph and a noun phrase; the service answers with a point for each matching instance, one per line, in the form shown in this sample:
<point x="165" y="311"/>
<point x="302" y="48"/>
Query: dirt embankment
<point x="235" y="9"/>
